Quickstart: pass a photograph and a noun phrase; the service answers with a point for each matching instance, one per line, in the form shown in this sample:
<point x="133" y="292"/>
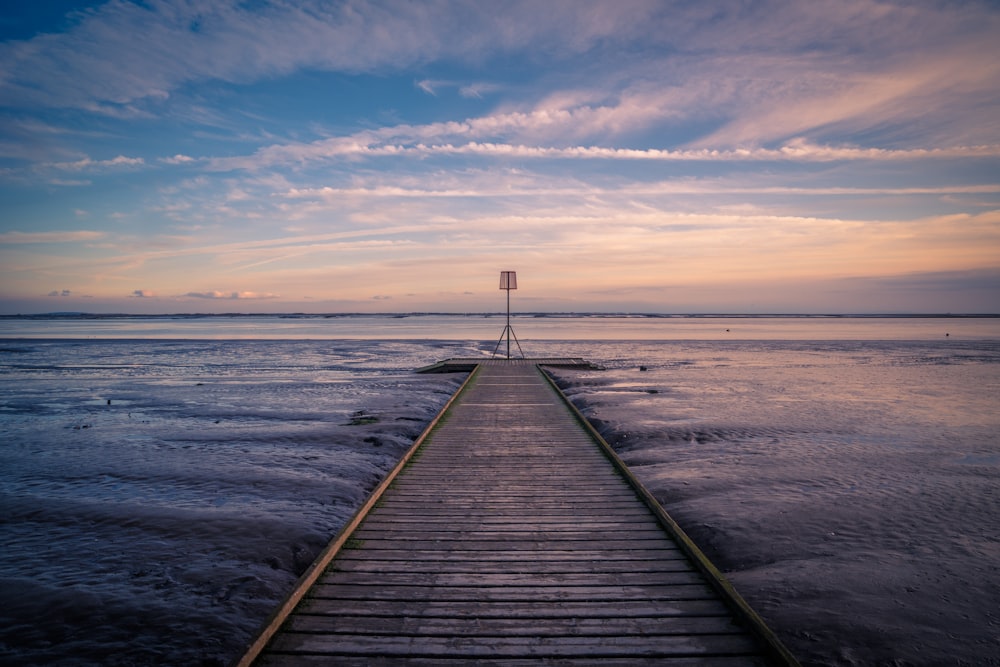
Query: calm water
<point x="483" y="328"/>
<point x="162" y="483"/>
<point x="847" y="488"/>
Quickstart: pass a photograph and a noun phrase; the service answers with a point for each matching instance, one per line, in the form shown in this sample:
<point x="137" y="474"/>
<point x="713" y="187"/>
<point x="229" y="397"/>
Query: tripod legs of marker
<point x="508" y="331"/>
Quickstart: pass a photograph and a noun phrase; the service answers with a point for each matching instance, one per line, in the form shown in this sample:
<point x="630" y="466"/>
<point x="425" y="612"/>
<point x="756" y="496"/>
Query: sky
<point x="691" y="156"/>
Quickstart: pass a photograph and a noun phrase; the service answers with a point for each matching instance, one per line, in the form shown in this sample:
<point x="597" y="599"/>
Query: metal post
<point x="508" y="324"/>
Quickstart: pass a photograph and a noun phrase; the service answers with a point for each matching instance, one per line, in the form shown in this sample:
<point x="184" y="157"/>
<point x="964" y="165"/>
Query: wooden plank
<point x="539" y="546"/>
<point x="647" y="626"/>
<point x="390" y="510"/>
<point x="451" y="566"/>
<point x="487" y="497"/>
<point x="512" y="486"/>
<point x="534" y="647"/>
<point x="462" y="521"/>
<point x="305" y="660"/>
<point x="485" y="556"/>
<point x="285" y="660"/>
<point x="539" y="593"/>
<point x="509" y="609"/>
<point x="566" y="504"/>
<point x="400" y="532"/>
<point x="491" y="579"/>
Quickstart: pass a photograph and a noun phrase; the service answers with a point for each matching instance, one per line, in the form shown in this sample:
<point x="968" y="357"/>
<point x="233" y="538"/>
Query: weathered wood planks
<point x="510" y="539"/>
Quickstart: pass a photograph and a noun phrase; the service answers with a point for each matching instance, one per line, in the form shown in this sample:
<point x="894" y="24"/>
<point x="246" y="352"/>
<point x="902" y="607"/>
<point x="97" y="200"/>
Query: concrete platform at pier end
<point x="467" y="365"/>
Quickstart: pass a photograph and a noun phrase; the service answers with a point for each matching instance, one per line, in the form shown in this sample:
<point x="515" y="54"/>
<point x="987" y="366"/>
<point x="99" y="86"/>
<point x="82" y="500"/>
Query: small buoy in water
<point x="727" y="330"/>
<point x="109" y="401"/>
<point x="642" y="368"/>
<point x="946" y="335"/>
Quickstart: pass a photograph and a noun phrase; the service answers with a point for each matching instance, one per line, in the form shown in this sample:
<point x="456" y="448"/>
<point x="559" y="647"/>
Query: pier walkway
<point x="508" y="535"/>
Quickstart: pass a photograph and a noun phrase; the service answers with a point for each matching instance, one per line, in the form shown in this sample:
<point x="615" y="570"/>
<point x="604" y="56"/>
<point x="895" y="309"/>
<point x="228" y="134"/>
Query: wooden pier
<point x="510" y="534"/>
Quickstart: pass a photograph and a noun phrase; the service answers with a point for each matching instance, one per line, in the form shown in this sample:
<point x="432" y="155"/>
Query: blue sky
<point x="800" y="157"/>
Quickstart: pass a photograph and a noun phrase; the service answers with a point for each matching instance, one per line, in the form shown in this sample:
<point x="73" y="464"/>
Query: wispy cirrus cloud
<point x="75" y="183"/>
<point x="159" y="46"/>
<point x="178" y="159"/>
<point x="15" y="237"/>
<point x="469" y="90"/>
<point x="121" y="56"/>
<point x="913" y="99"/>
<point x="430" y="86"/>
<point x="89" y="164"/>
<point x="369" y="145"/>
<point x="797" y="150"/>
<point x="684" y="186"/>
<point x="479" y="90"/>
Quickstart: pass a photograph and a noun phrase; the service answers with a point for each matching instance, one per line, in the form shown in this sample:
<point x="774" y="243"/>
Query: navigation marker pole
<point x="508" y="281"/>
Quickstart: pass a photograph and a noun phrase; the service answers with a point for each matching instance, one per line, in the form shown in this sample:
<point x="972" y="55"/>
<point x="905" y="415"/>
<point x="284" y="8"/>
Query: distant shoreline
<point x="540" y="315"/>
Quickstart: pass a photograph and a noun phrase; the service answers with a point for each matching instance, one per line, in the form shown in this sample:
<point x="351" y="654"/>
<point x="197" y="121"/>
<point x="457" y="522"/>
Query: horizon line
<point x="536" y="314"/>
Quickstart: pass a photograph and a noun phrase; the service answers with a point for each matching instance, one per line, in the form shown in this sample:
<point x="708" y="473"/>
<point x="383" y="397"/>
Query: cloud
<point x="477" y="90"/>
<point x="418" y="142"/>
<point x="956" y="291"/>
<point x="959" y="281"/>
<point x="68" y="182"/>
<point x="87" y="164"/>
<point x="758" y="120"/>
<point x="428" y="86"/>
<point x="798" y="150"/>
<point x="50" y="237"/>
<point x="119" y="55"/>
<point x="914" y="100"/>
<point x="216" y="294"/>
<point x="212" y="295"/>
<point x="638" y="137"/>
<point x="496" y="185"/>
<point x="761" y="73"/>
<point x="178" y="159"/>
<point x="469" y="91"/>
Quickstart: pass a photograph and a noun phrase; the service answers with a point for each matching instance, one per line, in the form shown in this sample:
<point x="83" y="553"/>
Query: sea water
<point x="164" y="481"/>
<point x="159" y="498"/>
<point x="850" y="490"/>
